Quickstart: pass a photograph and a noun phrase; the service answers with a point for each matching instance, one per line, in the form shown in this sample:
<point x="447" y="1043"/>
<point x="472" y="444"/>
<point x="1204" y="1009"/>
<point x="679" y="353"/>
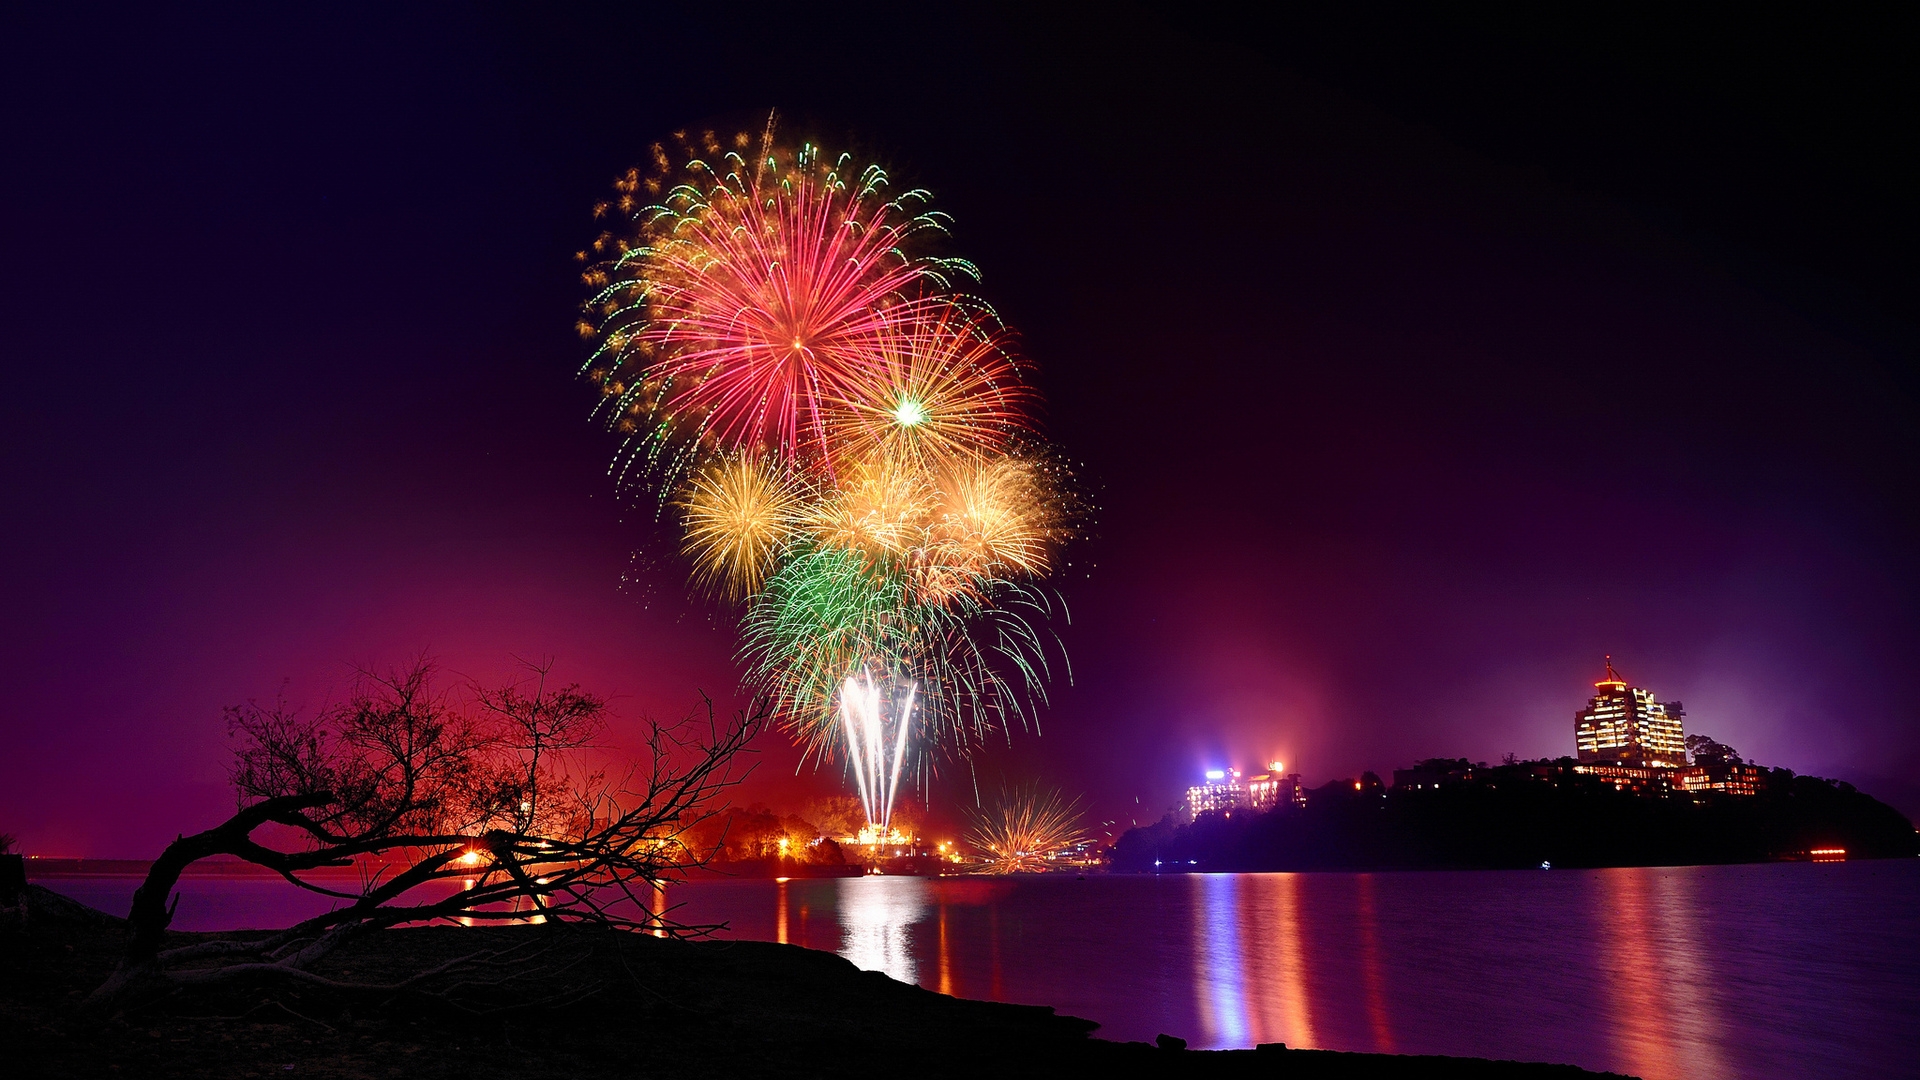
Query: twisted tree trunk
<point x="139" y="969"/>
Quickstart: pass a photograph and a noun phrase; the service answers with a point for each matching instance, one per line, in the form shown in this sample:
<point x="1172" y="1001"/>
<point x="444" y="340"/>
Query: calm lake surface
<point x="1800" y="969"/>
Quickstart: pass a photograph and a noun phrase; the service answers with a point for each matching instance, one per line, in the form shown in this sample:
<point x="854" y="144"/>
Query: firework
<point x="944" y="389"/>
<point x="821" y="615"/>
<point x="980" y="520"/>
<point x="876" y="773"/>
<point x="880" y="507"/>
<point x="748" y="299"/>
<point x="1005" y="513"/>
<point x="848" y="441"/>
<point x="1018" y="833"/>
<point x="740" y="513"/>
<point x="978" y="659"/>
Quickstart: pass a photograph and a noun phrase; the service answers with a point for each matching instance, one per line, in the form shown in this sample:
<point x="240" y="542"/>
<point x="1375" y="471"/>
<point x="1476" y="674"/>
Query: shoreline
<point x="42" y="868"/>
<point x="613" y="1004"/>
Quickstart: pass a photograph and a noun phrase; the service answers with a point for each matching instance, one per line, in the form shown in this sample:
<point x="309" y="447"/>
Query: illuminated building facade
<point x="1724" y="778"/>
<point x="1222" y="791"/>
<point x="1640" y="778"/>
<point x="1623" y="725"/>
<point x="1226" y="789"/>
<point x="1270" y="789"/>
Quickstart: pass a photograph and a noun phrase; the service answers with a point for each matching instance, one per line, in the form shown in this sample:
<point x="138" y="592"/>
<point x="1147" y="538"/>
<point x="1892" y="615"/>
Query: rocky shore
<point x="563" y="1002"/>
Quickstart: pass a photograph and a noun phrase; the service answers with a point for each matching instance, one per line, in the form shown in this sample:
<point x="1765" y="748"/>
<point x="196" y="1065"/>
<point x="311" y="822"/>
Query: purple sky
<point x="1395" y="429"/>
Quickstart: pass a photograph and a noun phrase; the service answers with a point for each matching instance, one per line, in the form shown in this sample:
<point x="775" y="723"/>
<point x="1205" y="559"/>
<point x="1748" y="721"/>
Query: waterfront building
<point x="1728" y="779"/>
<point x="1270" y="789"/>
<point x="1221" y="791"/>
<point x="1638" y="778"/>
<point x="1623" y="725"/>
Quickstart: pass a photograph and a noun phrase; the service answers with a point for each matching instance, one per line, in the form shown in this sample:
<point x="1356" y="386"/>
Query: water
<point x="1799" y="969"/>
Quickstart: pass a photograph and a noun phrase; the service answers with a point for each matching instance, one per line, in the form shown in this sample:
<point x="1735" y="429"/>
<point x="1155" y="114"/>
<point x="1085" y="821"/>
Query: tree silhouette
<point x="480" y="810"/>
<point x="1707" y="752"/>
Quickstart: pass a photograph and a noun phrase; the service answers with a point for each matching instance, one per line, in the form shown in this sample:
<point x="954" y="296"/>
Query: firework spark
<point x="1018" y="833"/>
<point x="740" y="513"/>
<point x="944" y="389"/>
<point x="875" y="754"/>
<point x="748" y="299"/>
<point x="880" y="507"/>
<point x="849" y="442"/>
<point x="980" y="664"/>
<point x="1005" y="513"/>
<point x="979" y="520"/>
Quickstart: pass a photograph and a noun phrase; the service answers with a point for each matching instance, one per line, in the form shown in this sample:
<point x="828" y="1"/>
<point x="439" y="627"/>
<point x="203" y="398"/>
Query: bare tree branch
<point x="480" y="813"/>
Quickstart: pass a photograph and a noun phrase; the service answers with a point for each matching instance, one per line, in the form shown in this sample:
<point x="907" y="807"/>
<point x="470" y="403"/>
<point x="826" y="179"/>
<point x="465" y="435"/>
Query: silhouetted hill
<point x="1522" y="815"/>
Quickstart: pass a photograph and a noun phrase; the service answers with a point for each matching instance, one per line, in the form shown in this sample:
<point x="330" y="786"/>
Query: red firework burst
<point x="753" y="297"/>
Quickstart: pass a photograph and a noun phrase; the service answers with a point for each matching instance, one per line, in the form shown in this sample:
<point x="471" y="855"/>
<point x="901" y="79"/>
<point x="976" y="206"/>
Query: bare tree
<point x="480" y="811"/>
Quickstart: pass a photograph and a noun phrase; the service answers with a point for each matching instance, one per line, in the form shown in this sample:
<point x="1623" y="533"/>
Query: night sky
<point x="1415" y="363"/>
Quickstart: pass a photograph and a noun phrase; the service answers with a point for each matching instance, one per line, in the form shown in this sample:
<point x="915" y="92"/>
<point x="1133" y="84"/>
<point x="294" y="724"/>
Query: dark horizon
<point x="1416" y="363"/>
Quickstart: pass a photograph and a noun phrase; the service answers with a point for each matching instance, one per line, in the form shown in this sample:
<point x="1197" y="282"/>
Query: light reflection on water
<point x="1250" y="968"/>
<point x="877" y="922"/>
<point x="1372" y="970"/>
<point x="1798" y="970"/>
<point x="1658" y="970"/>
<point x="1666" y="972"/>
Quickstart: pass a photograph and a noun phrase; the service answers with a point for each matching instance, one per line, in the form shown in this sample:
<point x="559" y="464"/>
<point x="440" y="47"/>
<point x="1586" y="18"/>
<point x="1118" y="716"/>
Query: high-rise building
<point x="1222" y="791"/>
<point x="1274" y="788"/>
<point x="1624" y="725"/>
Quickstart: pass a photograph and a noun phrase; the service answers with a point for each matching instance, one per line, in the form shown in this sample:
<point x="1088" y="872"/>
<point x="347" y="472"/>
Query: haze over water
<point x="1804" y="970"/>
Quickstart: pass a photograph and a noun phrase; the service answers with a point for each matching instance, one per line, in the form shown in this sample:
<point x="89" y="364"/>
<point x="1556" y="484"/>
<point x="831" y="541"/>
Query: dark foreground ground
<point x="584" y="1004"/>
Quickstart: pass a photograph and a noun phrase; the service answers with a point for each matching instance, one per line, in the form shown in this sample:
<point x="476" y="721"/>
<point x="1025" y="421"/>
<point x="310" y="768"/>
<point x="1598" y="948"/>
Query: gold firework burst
<point x="739" y="514"/>
<point x="880" y="507"/>
<point x="1018" y="833"/>
<point x="944" y="388"/>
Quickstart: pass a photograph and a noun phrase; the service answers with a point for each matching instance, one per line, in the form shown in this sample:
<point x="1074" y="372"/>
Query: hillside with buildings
<point x="1637" y="791"/>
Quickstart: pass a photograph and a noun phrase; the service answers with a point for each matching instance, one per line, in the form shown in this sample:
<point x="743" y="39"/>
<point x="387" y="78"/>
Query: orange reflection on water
<point x="946" y="957"/>
<point x="1250" y="960"/>
<point x="963" y="893"/>
<point x="1663" y="1016"/>
<point x="1372" y="970"/>
<point x="657" y="907"/>
<point x="780" y="916"/>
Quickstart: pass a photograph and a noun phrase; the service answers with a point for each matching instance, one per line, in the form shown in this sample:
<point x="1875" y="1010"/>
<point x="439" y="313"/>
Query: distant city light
<point x="1216" y="774"/>
<point x="1277" y="766"/>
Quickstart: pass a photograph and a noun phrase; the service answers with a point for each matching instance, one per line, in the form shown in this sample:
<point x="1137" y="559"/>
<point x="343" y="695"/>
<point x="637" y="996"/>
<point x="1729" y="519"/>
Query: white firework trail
<point x="875" y="772"/>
